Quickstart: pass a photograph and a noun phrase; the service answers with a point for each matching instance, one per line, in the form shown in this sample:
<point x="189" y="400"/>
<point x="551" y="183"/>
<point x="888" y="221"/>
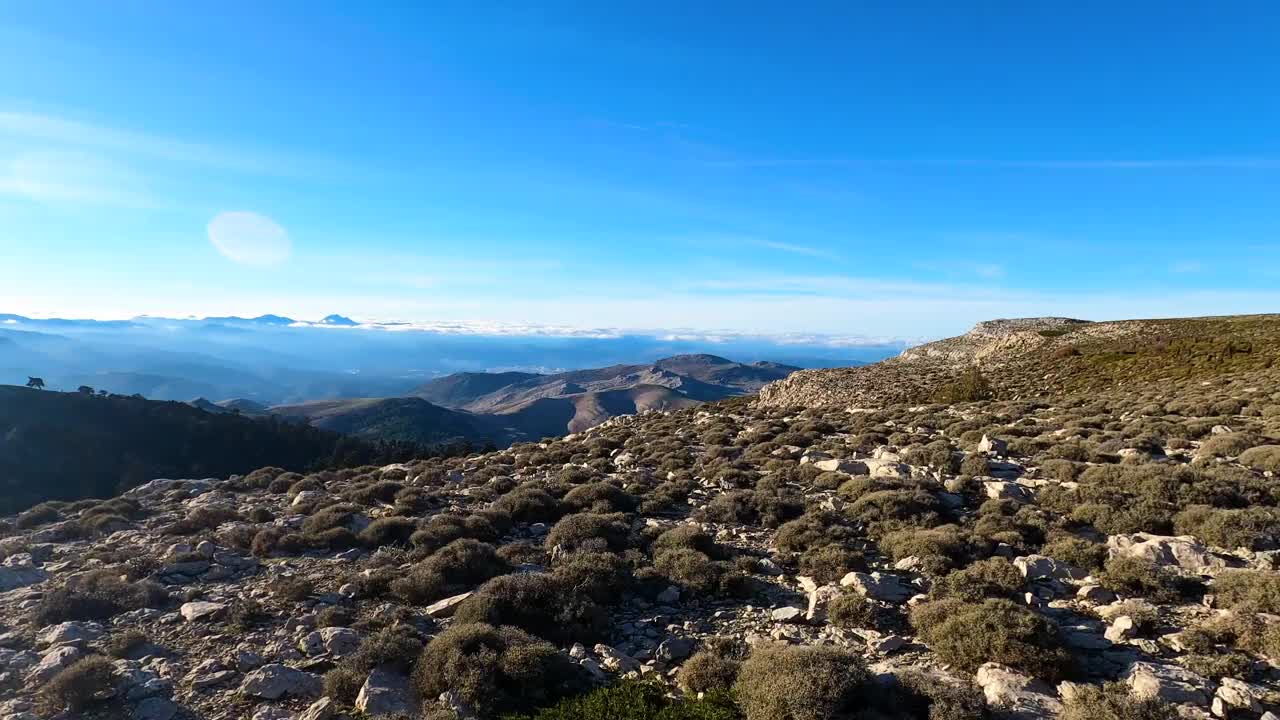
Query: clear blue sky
<point x="880" y="168"/>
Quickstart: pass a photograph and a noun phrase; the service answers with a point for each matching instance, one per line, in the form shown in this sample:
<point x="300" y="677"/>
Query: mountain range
<point x="274" y="360"/>
<point x="508" y="406"/>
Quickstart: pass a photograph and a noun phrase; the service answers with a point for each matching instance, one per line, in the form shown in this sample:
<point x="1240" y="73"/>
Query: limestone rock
<point x="200" y="610"/>
<point x="385" y="693"/>
<point x="1019" y="696"/>
<point x="275" y="681"/>
<point x="878" y="586"/>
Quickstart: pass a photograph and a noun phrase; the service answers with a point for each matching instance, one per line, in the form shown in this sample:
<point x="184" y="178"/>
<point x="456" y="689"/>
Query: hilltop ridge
<point x="1041" y="357"/>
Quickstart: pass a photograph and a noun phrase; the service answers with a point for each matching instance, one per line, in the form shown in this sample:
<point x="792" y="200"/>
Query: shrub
<point x="494" y="669"/>
<point x="924" y="696"/>
<point x="938" y="549"/>
<point x="1250" y="528"/>
<point x="1114" y="701"/>
<point x="690" y="569"/>
<point x="852" y="610"/>
<point x="41" y="514"/>
<point x="970" y="386"/>
<point x="1076" y="551"/>
<point x="1135" y="577"/>
<point x="967" y="635"/>
<point x="1248" y="590"/>
<point x="887" y="510"/>
<point x="636" y="701"/>
<point x="708" y="671"/>
<point x="800" y="683"/>
<point x="453" y="568"/>
<point x="538" y="603"/>
<point x="1264" y="457"/>
<point x="814" y="529"/>
<point x="1227" y="445"/>
<point x="590" y="531"/>
<point x="991" y="578"/>
<point x="80" y="685"/>
<point x="529" y="505"/>
<point x="600" y="497"/>
<point x="686" y="536"/>
<point x="396" y="647"/>
<point x="601" y="576"/>
<point x="121" y="645"/>
<point x="387" y="531"/>
<point x="829" y="563"/>
<point x="97" y="596"/>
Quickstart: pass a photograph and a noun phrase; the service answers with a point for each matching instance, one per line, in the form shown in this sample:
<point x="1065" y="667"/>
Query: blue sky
<point x="894" y="169"/>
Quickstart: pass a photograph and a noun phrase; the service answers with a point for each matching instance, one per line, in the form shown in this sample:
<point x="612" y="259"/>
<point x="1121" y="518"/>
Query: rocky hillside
<point x="1106" y="554"/>
<point x="69" y="446"/>
<point x="1034" y="357"/>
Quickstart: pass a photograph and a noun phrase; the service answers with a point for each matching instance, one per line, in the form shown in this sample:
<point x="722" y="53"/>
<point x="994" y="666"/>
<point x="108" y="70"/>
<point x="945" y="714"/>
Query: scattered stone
<point x="275" y="681"/>
<point x="385" y="693"/>
<point x="878" y="586"/>
<point x="200" y="610"/>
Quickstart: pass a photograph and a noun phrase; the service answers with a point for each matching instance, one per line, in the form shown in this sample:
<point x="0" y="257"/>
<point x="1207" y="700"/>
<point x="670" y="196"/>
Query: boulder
<point x="69" y="632"/>
<point x="275" y="681"/>
<point x="1177" y="550"/>
<point x="884" y="467"/>
<point x="819" y="599"/>
<point x="1018" y="696"/>
<point x="155" y="708"/>
<point x="200" y="610"/>
<point x="52" y="663"/>
<point x="878" y="586"/>
<point x="1040" y="567"/>
<point x="1005" y="490"/>
<point x="12" y="578"/>
<point x="322" y="709"/>
<point x="1095" y="594"/>
<point x="446" y="607"/>
<point x="336" y="641"/>
<point x="1121" y="629"/>
<point x="848" y="467"/>
<point x="993" y="446"/>
<point x="787" y="615"/>
<point x="385" y="693"/>
<point x="1168" y="682"/>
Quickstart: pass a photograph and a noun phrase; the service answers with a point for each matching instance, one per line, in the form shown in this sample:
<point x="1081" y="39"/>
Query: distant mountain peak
<point x="338" y="320"/>
<point x="260" y="320"/>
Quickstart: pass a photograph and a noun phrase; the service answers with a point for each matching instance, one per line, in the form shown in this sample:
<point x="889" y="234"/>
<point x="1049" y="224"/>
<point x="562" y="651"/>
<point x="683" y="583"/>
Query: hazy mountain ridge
<point x="273" y="359"/>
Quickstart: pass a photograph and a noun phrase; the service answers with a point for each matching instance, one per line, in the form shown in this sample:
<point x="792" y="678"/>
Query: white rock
<point x="53" y="663"/>
<point x="322" y="709"/>
<point x="275" y="681"/>
<point x="1037" y="567"/>
<point x="787" y="614"/>
<point x="848" y="467"/>
<point x="385" y="693"/>
<point x="878" y="586"/>
<point x="12" y="578"/>
<point x="1016" y="695"/>
<point x="1121" y="629"/>
<point x="1167" y="682"/>
<point x="69" y="632"/>
<point x="1180" y="550"/>
<point x="993" y="446"/>
<point x="446" y="607"/>
<point x="201" y="610"/>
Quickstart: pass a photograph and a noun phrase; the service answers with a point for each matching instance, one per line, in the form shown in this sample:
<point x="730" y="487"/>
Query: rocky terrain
<point x="1077" y="534"/>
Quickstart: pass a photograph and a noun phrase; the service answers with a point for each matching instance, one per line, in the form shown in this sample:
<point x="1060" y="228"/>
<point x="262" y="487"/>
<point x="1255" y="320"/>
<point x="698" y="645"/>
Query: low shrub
<point x="991" y="578"/>
<point x="829" y="563"/>
<point x="538" y="603"/>
<point x="80" y="685"/>
<point x="938" y="549"/>
<point x="1265" y="458"/>
<point x="495" y="670"/>
<point x="122" y="644"/>
<point x="1076" y="551"/>
<point x="852" y="610"/>
<point x="1248" y="591"/>
<point x="388" y="531"/>
<point x="708" y="671"/>
<point x="590" y="531"/>
<point x="636" y="701"/>
<point x="98" y="595"/>
<point x="967" y="635"/>
<point x="1135" y="577"/>
<point x="801" y="683"/>
<point x="1114" y="701"/>
<point x="452" y="569"/>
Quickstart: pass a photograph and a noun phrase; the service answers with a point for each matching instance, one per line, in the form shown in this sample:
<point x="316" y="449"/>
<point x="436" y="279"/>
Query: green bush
<point x="708" y="671"/>
<point x="991" y="578"/>
<point x="829" y="563"/>
<point x="636" y="701"/>
<point x="495" y="670"/>
<point x="396" y="647"/>
<point x="1135" y="577"/>
<point x="938" y="549"/>
<point x="591" y="531"/>
<point x="801" y="683"/>
<point x="852" y="610"/>
<point x="539" y="603"/>
<point x="1248" y="590"/>
<point x="1090" y="556"/>
<point x="967" y="635"/>
<point x="452" y="569"/>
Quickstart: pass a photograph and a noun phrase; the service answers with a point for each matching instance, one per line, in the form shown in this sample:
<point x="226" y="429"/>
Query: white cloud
<point x="73" y="177"/>
<point x="249" y="238"/>
<point x="792" y="248"/>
